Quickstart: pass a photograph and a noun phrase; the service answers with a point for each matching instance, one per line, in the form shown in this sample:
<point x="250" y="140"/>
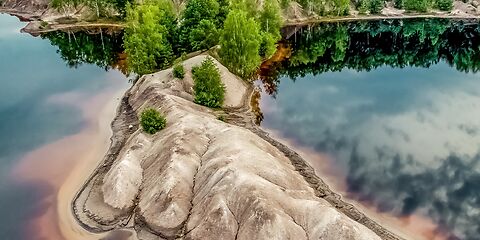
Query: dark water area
<point x="396" y="104"/>
<point x="38" y="77"/>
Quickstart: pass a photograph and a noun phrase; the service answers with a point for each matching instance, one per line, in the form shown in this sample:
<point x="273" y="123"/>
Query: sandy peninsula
<point x="202" y="178"/>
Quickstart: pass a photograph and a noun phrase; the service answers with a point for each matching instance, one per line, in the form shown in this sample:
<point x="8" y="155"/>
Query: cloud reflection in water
<point x="409" y="138"/>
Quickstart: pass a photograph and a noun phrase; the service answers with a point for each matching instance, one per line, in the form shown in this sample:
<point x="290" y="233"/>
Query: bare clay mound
<point x="201" y="178"/>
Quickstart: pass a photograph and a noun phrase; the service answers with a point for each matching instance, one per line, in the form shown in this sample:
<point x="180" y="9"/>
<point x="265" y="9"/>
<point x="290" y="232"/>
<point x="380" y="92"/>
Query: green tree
<point x="341" y="7"/>
<point x="121" y="6"/>
<point x="240" y="43"/>
<point x="222" y="12"/>
<point x="376" y="6"/>
<point x="207" y="84"/>
<point x="270" y="18"/>
<point x="416" y="5"/>
<point x="77" y="48"/>
<point x="199" y="16"/>
<point x="204" y="36"/>
<point x="444" y="5"/>
<point x="250" y="7"/>
<point x="268" y="45"/>
<point x="146" y="37"/>
<point x="152" y="121"/>
<point x="179" y="71"/>
<point x="270" y="21"/>
<point x="399" y="3"/>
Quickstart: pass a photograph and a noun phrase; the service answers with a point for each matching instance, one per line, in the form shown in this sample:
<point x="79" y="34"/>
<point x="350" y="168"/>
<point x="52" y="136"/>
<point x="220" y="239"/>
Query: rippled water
<point x="43" y="82"/>
<point x="396" y="104"/>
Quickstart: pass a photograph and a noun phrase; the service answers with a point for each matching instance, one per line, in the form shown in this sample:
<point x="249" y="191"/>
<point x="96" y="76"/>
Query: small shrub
<point x="445" y="5"/>
<point x="268" y="46"/>
<point x="376" y="6"/>
<point x="363" y="6"/>
<point x="371" y="6"/>
<point x="207" y="85"/>
<point x="221" y="118"/>
<point x="398" y="4"/>
<point x="416" y="5"/>
<point x="43" y="24"/>
<point x="178" y="71"/>
<point x="152" y="121"/>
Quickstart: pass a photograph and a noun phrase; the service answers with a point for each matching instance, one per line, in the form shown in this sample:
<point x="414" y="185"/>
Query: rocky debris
<point x="201" y="178"/>
<point x="30" y="7"/>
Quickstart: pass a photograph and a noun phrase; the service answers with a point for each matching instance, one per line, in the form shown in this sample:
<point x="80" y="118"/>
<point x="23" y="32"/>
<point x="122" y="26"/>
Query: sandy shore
<point x="413" y="227"/>
<point x="101" y="130"/>
<point x="66" y="164"/>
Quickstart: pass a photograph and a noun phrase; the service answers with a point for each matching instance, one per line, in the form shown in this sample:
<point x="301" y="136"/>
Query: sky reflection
<point x="409" y="139"/>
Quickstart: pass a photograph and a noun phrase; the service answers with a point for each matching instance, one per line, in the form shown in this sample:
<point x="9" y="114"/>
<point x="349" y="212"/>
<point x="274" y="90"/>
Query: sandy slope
<point x="201" y="178"/>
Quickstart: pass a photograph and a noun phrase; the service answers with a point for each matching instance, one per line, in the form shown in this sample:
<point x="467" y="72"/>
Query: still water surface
<point x="44" y="83"/>
<point x="396" y="105"/>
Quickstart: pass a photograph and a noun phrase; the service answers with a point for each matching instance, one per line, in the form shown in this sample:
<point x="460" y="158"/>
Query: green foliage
<point x="363" y="6"/>
<point x="179" y="71"/>
<point x="270" y="24"/>
<point x="399" y="4"/>
<point x="444" y="5"/>
<point x="148" y="38"/>
<point x="240" y="44"/>
<point x="152" y="121"/>
<point x="341" y="7"/>
<point x="285" y="3"/>
<point x="43" y="25"/>
<point x="204" y="36"/>
<point x="77" y="48"/>
<point x="208" y="87"/>
<point x="326" y="7"/>
<point x="270" y="18"/>
<point x="268" y="46"/>
<point x="371" y="6"/>
<point x="222" y="12"/>
<point x="416" y="5"/>
<point x="121" y="6"/>
<point x="102" y="8"/>
<point x="376" y="6"/>
<point x="65" y="3"/>
<point x="201" y="19"/>
<point x="221" y="118"/>
<point x="366" y="45"/>
<point x="250" y="7"/>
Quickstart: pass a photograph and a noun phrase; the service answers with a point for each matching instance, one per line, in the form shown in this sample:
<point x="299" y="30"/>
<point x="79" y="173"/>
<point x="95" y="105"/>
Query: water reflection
<point x="397" y="105"/>
<point x="36" y="109"/>
<point x="102" y="47"/>
<point x="367" y="45"/>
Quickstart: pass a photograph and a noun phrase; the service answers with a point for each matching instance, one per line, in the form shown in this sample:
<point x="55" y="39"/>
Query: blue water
<point x="396" y="104"/>
<point x="408" y="139"/>
<point x="32" y="73"/>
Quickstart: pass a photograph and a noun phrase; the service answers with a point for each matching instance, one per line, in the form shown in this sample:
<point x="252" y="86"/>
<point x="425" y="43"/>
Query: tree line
<point x="364" y="46"/>
<point x="246" y="32"/>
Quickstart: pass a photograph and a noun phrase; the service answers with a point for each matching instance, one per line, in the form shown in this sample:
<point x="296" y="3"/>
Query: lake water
<point x="396" y="107"/>
<point x="45" y="80"/>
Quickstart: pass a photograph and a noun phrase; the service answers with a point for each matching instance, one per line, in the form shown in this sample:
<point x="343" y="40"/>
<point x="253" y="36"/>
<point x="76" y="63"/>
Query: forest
<point x="367" y="45"/>
<point x="243" y="32"/>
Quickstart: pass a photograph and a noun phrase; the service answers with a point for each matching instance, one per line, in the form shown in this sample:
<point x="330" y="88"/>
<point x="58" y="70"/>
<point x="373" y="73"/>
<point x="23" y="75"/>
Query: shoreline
<point x="352" y="18"/>
<point x="69" y="226"/>
<point x="406" y="227"/>
<point x="35" y="28"/>
<point x="67" y="164"/>
<point x="243" y="117"/>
